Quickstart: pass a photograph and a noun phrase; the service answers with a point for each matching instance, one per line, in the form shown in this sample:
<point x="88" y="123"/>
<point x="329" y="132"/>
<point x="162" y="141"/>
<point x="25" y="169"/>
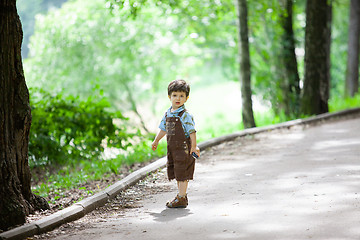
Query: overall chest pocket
<point x="170" y="128"/>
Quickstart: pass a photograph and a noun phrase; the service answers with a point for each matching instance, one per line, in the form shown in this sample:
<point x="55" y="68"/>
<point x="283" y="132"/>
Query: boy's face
<point x="177" y="99"/>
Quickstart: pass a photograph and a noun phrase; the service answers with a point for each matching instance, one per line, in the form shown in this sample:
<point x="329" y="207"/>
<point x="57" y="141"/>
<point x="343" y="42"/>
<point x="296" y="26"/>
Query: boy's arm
<point x="158" y="137"/>
<point x="194" y="147"/>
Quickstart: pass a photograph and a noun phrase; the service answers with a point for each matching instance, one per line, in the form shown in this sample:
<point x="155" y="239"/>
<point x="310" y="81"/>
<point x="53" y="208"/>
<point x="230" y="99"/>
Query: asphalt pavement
<point x="297" y="183"/>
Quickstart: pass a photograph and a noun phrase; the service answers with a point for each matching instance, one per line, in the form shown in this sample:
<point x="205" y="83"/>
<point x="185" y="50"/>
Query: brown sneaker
<point x="178" y="202"/>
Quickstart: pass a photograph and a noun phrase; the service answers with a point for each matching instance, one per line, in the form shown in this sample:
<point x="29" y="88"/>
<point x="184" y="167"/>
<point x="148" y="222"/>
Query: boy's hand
<point x="158" y="137"/>
<point x="196" y="150"/>
<point x="154" y="145"/>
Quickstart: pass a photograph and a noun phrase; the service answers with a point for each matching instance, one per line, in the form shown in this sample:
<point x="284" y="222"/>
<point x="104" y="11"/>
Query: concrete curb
<point x="87" y="205"/>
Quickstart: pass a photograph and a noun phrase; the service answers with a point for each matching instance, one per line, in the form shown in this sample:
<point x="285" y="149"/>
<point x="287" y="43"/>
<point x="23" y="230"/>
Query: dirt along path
<point x="285" y="184"/>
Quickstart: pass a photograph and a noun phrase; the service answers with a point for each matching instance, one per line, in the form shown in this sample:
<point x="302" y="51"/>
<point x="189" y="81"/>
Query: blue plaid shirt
<point x="187" y="120"/>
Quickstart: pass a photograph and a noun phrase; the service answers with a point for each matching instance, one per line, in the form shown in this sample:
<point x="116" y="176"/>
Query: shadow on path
<point x="170" y="214"/>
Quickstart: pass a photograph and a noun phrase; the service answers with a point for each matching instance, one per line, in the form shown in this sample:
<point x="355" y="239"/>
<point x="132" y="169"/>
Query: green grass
<point x="338" y="104"/>
<point x="224" y="126"/>
<point x="76" y="174"/>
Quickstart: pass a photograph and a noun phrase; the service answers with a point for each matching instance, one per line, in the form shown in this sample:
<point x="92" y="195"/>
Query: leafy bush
<point x="64" y="128"/>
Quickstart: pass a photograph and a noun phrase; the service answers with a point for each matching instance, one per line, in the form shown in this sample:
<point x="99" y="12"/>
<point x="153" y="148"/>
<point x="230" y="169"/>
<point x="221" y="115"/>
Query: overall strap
<point x="181" y="113"/>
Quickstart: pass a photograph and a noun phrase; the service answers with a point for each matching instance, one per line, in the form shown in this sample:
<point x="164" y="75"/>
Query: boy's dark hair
<point x="179" y="85"/>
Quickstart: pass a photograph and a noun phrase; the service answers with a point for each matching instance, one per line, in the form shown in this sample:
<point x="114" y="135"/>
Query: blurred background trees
<point x="27" y="10"/>
<point x="352" y="67"/>
<point x="131" y="49"/>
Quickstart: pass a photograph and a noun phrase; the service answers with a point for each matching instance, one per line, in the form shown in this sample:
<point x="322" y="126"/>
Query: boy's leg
<point x="182" y="186"/>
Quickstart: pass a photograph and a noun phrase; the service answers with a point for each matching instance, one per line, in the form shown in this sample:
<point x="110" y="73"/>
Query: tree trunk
<point x="292" y="80"/>
<point x="316" y="58"/>
<point x="325" y="83"/>
<point x="245" y="70"/>
<point x="352" y="68"/>
<point x="16" y="199"/>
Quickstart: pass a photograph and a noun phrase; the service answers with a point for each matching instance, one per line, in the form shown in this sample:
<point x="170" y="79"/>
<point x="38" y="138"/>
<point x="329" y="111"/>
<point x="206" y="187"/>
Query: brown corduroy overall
<point x="180" y="164"/>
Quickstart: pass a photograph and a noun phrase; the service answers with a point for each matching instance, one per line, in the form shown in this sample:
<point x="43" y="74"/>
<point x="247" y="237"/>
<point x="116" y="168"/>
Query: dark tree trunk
<point x="16" y="199"/>
<point x="291" y="90"/>
<point x="352" y="69"/>
<point x="325" y="83"/>
<point x="317" y="77"/>
<point x="245" y="70"/>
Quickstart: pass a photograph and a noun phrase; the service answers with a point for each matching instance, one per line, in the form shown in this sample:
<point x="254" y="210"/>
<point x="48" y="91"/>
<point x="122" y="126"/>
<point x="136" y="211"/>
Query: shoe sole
<point x="177" y="207"/>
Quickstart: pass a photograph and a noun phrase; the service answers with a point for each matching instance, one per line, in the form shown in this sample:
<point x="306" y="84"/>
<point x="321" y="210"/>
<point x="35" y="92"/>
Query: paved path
<point x="286" y="184"/>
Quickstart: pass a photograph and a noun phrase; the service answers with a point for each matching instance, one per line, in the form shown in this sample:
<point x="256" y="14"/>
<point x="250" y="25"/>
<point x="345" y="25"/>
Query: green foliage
<point x="137" y="46"/>
<point x="132" y="57"/>
<point x="339" y="48"/>
<point x="66" y="128"/>
<point x="27" y="10"/>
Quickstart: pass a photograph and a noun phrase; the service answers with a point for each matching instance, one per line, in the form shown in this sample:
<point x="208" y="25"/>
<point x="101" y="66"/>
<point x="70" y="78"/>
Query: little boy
<point x="178" y="126"/>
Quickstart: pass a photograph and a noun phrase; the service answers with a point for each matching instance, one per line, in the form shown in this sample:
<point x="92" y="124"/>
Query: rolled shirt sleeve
<point x="188" y="124"/>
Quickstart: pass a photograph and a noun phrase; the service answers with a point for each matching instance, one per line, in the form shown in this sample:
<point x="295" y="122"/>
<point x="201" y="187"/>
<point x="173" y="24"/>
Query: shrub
<point x="65" y="128"/>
